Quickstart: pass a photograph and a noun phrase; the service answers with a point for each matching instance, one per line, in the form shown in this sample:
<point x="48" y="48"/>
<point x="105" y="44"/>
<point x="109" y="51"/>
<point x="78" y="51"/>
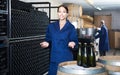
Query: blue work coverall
<point x="58" y="40"/>
<point x="104" y="40"/>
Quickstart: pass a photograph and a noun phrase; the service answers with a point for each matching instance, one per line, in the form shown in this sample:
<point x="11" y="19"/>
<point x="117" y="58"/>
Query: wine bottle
<point x="85" y="57"/>
<point x="79" y="56"/>
<point x="92" y="58"/>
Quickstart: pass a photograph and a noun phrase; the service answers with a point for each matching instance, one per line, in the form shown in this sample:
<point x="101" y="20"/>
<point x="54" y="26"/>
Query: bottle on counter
<point x="85" y="57"/>
<point x="92" y="57"/>
<point x="79" y="56"/>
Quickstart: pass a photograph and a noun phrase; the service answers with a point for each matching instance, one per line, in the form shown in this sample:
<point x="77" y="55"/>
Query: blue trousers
<point x="53" y="68"/>
<point x="102" y="53"/>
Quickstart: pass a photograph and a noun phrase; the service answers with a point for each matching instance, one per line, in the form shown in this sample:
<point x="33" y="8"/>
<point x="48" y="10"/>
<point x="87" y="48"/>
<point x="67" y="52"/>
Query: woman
<point x="61" y="37"/>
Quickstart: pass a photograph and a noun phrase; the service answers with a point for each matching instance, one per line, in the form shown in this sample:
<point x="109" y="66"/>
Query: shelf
<point x="87" y="18"/>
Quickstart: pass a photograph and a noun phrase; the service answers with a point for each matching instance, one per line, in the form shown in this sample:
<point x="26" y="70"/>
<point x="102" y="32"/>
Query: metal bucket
<point x="71" y="68"/>
<point x="86" y="32"/>
<point x="112" y="64"/>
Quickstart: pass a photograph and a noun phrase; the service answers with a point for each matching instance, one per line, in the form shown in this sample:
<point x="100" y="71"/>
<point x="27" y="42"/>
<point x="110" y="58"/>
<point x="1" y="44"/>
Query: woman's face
<point x="62" y="13"/>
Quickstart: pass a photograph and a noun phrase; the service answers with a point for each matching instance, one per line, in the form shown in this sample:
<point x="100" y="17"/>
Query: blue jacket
<point x="59" y="40"/>
<point x="104" y="39"/>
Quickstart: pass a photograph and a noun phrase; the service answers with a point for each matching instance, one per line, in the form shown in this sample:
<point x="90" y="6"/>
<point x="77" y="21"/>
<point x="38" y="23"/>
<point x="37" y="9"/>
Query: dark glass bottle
<point x="79" y="56"/>
<point x="85" y="57"/>
<point x="92" y="57"/>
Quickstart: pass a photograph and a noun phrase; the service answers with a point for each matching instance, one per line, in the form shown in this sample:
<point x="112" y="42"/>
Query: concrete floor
<point x="115" y="52"/>
<point x="112" y="52"/>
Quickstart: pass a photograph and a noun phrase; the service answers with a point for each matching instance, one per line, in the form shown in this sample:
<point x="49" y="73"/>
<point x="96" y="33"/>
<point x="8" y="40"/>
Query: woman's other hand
<point x="71" y="44"/>
<point x="44" y="44"/>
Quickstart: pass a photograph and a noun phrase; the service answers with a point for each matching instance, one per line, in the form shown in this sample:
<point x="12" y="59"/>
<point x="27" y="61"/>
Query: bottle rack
<point x="3" y="17"/>
<point x="3" y="36"/>
<point x="14" y="41"/>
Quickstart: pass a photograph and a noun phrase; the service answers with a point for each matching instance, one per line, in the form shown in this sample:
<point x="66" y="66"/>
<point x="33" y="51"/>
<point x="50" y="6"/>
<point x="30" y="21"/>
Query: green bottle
<point x="85" y="57"/>
<point x="79" y="56"/>
<point x="92" y="58"/>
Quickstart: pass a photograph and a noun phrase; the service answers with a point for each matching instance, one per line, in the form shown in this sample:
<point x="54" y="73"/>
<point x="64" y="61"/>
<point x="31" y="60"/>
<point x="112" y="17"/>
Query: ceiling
<point x="90" y="6"/>
<point x="96" y="5"/>
<point x="103" y="4"/>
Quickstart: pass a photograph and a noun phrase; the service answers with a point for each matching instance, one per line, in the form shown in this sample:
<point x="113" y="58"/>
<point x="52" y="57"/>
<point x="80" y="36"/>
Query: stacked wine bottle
<point x="86" y="55"/>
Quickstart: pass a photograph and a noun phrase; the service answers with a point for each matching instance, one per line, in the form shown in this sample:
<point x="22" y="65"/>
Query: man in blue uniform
<point x="104" y="39"/>
<point x="61" y="37"/>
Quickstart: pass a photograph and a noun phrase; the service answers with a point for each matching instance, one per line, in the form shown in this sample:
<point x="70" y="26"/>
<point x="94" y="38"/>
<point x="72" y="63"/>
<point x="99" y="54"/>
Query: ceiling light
<point x="91" y="3"/>
<point x="98" y="8"/>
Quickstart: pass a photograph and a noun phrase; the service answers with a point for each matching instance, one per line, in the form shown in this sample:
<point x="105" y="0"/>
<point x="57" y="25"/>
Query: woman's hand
<point x="71" y="44"/>
<point x="44" y="44"/>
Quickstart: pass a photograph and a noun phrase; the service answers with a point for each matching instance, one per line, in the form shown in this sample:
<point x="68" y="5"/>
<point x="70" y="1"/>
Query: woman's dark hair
<point x="64" y="7"/>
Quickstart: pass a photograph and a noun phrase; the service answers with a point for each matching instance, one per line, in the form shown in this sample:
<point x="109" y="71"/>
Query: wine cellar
<point x="59" y="37"/>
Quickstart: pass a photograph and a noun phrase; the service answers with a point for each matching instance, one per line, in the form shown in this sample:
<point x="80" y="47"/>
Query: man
<point x="104" y="39"/>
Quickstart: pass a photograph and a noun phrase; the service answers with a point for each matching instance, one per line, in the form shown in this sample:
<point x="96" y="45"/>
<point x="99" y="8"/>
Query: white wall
<point x="53" y="3"/>
<point x="115" y="18"/>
